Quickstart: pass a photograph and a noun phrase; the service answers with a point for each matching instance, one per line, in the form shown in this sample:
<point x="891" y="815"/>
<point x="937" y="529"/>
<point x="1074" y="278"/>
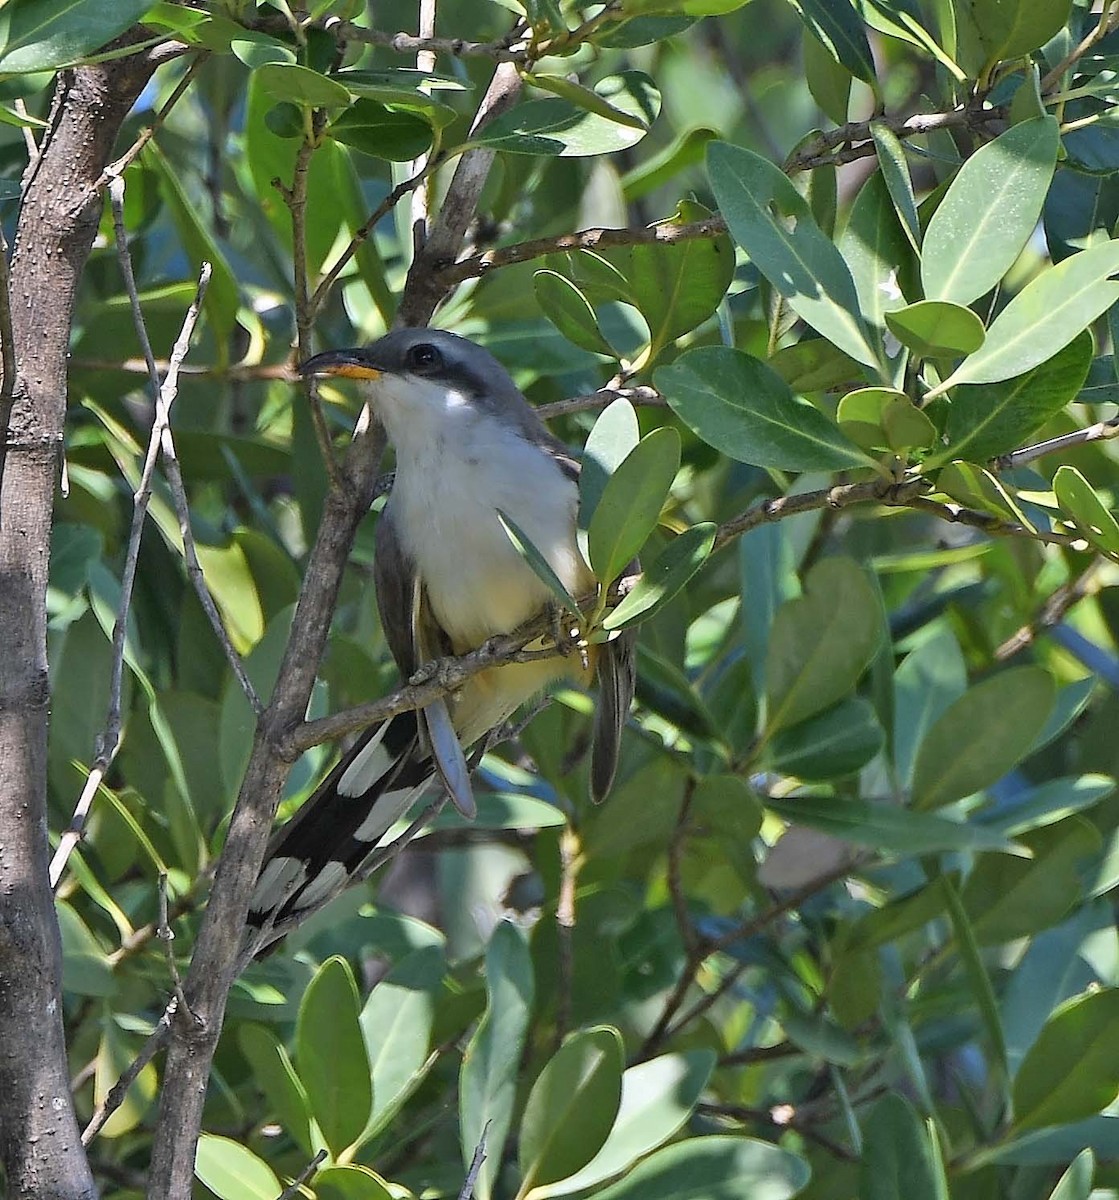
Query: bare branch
<point x="643" y="396"/>
<point x="664" y="233"/>
<point x="116" y="1094"/>
<point x="167" y="935"/>
<point x="296" y="1186"/>
<point x="503" y="50"/>
<point x="1054" y="610"/>
<point x="467" y="1190"/>
<point x="1109" y="19"/>
<point x="1100" y="432"/>
<point x="425" y="61"/>
<point x="7" y="357"/>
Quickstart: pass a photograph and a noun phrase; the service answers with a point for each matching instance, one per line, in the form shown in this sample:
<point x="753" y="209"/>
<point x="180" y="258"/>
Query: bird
<point x="471" y="454"/>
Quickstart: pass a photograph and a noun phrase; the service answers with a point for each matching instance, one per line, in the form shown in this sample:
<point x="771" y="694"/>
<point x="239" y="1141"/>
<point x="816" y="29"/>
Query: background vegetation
<point x="845" y="927"/>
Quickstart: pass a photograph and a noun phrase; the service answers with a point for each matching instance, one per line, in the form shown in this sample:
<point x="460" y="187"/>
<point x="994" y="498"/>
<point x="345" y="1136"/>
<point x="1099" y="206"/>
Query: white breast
<point x="452" y="478"/>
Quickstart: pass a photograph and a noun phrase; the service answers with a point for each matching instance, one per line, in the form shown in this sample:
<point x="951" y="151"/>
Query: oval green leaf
<point x="631" y="502"/>
<point x="981" y="736"/>
<point x="301" y="85"/>
<point x="330" y="1055"/>
<point x="937" y="328"/>
<point x="771" y="221"/>
<point x="233" y="1171"/>
<point x="834" y="743"/>
<point x="571" y="1107"/>
<point x="570" y="311"/>
<point x="1072" y="1070"/>
<point x="381" y="132"/>
<point x="737" y="404"/>
<point x="900" y="1160"/>
<point x="821" y="643"/>
<point x="989" y="212"/>
<point x="665" y="576"/>
<point x="1079" y="499"/>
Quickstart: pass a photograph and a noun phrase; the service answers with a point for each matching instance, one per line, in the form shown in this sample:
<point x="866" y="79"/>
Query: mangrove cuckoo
<point x="468" y="447"/>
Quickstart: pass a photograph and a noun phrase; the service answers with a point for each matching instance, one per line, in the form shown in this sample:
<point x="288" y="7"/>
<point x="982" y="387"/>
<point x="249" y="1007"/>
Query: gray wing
<point x="617" y="676"/>
<point x="414" y="637"/>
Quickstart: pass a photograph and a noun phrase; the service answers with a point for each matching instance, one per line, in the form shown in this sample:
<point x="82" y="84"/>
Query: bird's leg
<point x="568" y="633"/>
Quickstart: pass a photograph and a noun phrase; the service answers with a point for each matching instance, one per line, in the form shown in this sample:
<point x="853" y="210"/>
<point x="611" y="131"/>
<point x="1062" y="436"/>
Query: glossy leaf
<point x="820" y="643"/>
<point x="541" y="567"/>
<point x="1072" y="1070"/>
<point x="900" y="1160"/>
<point x="571" y="1107"/>
<point x="992" y="207"/>
<point x="837" y="742"/>
<point x="993" y="418"/>
<point x="738" y="405"/>
<point x="828" y="80"/>
<point x="330" y="1055"/>
<point x="570" y="311"/>
<point x="614" y="434"/>
<point x="557" y="127"/>
<point x="771" y="221"/>
<point x="895" y="830"/>
<point x="658" y="1096"/>
<point x="895" y="171"/>
<point x="837" y="27"/>
<point x="43" y="35"/>
<point x="1076" y="1182"/>
<point x="630" y="505"/>
<point x="937" y="329"/>
<point x="488" y="1079"/>
<point x="1092" y="517"/>
<point x="665" y="576"/>
<point x="232" y="1171"/>
<point x="714" y="1167"/>
<point x="349" y="1182"/>
<point x="276" y="1077"/>
<point x="381" y="132"/>
<point x="984" y="733"/>
<point x="300" y="85"/>
<point x="1044" y="317"/>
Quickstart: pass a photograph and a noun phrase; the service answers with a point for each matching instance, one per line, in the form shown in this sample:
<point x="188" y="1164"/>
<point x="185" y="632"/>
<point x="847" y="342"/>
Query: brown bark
<point x="39" y="1141"/>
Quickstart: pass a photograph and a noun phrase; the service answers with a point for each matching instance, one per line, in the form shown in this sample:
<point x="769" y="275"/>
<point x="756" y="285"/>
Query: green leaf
<point x="989" y="419"/>
<point x="396" y="1022"/>
<point x="937" y="328"/>
<point x="562" y="302"/>
<point x="300" y="85"/>
<point x="678" y="285"/>
<point x="989" y="212"/>
<point x="612" y="437"/>
<point x="631" y="502"/>
<point x="1050" y="802"/>
<point x="381" y="132"/>
<point x="686" y="151"/>
<point x="490" y="1067"/>
<point x="894" y="830"/>
<point x="502" y="810"/>
<point x="557" y="127"/>
<point x="821" y="643"/>
<point x="665" y="576"/>
<point x="713" y="1168"/>
<point x="836" y="742"/>
<point x="771" y="221"/>
<point x="657" y="1098"/>
<point x="539" y="564"/>
<point x="349" y="1182"/>
<point x="1043" y="318"/>
<point x="737" y="404"/>
<point x="585" y="98"/>
<point x="43" y="35"/>
<point x="275" y="1076"/>
<point x="233" y="1171"/>
<point x="330" y="1053"/>
<point x="829" y="82"/>
<point x="839" y="30"/>
<point x="861" y="415"/>
<point x="1079" y="500"/>
<point x="981" y="736"/>
<point x="1072" y="1070"/>
<point x="900" y="1159"/>
<point x="571" y="1107"/>
<point x="1076" y="1182"/>
<point x="895" y="171"/>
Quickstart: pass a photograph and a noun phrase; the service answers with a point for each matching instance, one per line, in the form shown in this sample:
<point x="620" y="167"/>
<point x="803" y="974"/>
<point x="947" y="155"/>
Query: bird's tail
<point x="312" y="857"/>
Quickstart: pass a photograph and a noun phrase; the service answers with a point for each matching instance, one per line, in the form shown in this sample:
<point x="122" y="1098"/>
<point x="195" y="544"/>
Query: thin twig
<point x="295" y="1187"/>
<point x="167" y="935"/>
<point x="425" y="61"/>
<point x="688" y="934"/>
<point x="1109" y="16"/>
<point x="116" y="1094"/>
<point x="565" y="929"/>
<point x="467" y="1190"/>
<point x="1054" y="610"/>
<point x="641" y="396"/>
<point x="409" y="43"/>
<point x="117" y="168"/>
<point x="1100" y="432"/>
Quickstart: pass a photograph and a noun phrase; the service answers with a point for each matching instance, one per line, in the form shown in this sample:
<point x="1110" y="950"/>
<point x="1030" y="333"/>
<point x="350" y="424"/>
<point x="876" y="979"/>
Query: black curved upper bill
<point x="350" y="364"/>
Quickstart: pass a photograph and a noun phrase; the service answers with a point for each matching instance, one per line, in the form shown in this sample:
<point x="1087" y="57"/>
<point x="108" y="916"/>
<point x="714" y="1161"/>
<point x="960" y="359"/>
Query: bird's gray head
<point x="417" y="379"/>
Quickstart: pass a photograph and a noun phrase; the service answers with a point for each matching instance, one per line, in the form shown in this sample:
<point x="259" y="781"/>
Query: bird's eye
<point x="424" y="357"/>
